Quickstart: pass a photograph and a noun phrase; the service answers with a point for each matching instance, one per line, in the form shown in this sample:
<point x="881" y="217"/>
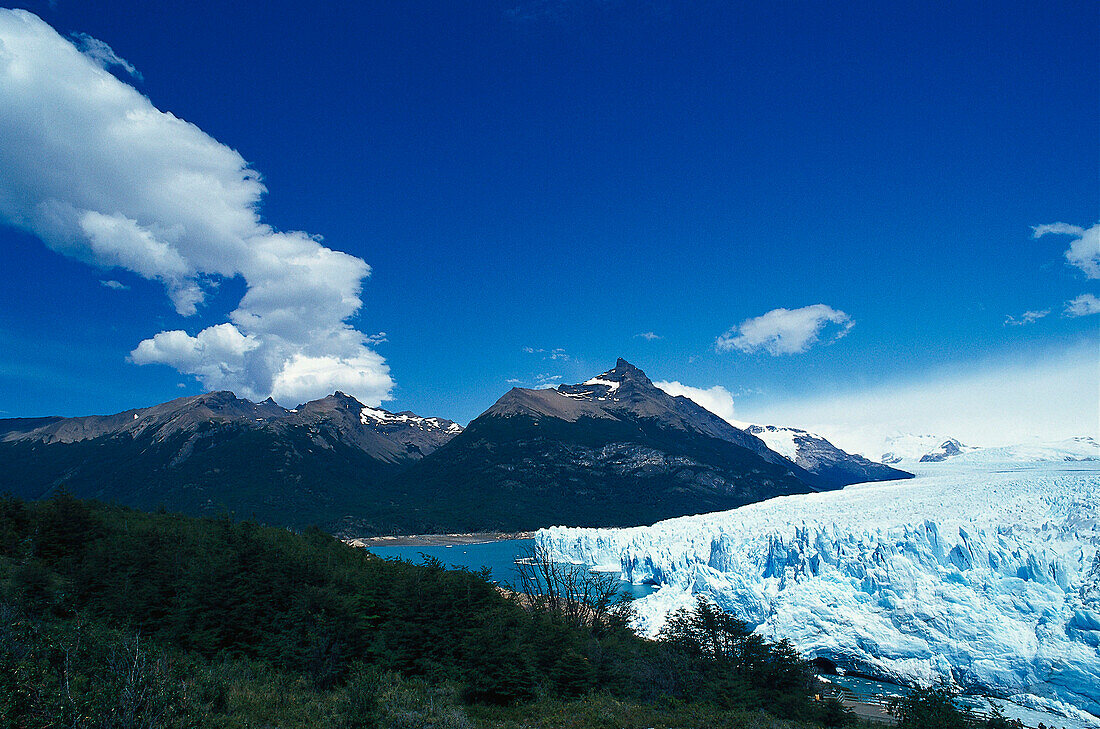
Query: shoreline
<point x="437" y="540"/>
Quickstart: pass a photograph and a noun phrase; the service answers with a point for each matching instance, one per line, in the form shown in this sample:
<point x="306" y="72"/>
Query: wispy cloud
<point x="1026" y="318"/>
<point x="786" y="331"/>
<point x="1083" y="305"/>
<point x="103" y="54"/>
<point x="1084" y="249"/>
<point x="557" y="354"/>
<point x="133" y="187"/>
<point x="648" y="336"/>
<point x="116" y="285"/>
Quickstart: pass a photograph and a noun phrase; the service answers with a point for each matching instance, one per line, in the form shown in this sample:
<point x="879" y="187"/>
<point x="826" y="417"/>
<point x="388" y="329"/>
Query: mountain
<point x="909" y="447"/>
<point x="817" y="455"/>
<point x="945" y="450"/>
<point x="317" y="463"/>
<point x="611" y="451"/>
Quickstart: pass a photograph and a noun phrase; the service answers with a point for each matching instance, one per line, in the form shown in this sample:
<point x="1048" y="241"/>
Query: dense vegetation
<point x="114" y="618"/>
<point x="117" y="618"/>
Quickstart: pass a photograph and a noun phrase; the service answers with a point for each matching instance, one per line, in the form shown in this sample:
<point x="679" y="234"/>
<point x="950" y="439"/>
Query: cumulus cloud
<point x="116" y="285"/>
<point x="98" y="173"/>
<point x="716" y="399"/>
<point x="103" y="54"/>
<point x="648" y="336"/>
<point x="1026" y="318"/>
<point x="1083" y="305"/>
<point x="1084" y="249"/>
<point x="785" y="331"/>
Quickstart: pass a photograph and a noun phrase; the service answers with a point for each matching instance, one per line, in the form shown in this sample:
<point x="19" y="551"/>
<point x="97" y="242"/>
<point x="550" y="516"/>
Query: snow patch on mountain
<point x="909" y="447"/>
<point x="376" y="415"/>
<point x="780" y="440"/>
<point x="611" y="386"/>
<point x="986" y="575"/>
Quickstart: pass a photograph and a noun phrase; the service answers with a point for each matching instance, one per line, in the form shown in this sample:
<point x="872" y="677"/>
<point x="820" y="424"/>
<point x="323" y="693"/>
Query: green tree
<point x="933" y="707"/>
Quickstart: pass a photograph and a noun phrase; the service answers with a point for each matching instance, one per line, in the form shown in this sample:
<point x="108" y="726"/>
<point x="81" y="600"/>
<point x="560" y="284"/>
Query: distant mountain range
<point x="924" y="449"/>
<point x="612" y="451"/>
<point x="828" y="463"/>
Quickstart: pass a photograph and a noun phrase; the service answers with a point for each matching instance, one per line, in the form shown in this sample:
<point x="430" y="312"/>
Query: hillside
<point x="114" y="618"/>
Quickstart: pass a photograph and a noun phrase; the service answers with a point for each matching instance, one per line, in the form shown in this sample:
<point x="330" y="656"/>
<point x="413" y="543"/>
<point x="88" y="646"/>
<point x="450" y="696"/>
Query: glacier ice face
<point x="987" y="573"/>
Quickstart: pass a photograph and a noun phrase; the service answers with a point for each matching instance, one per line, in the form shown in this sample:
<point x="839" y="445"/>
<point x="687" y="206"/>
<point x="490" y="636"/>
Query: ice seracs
<point x="983" y="574"/>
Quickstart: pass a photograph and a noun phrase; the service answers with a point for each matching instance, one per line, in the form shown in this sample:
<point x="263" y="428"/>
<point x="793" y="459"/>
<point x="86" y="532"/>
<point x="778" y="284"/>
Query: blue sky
<point x="535" y="184"/>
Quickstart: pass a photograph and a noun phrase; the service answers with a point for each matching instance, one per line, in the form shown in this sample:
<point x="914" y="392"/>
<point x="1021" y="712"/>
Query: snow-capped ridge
<point x="817" y="455"/>
<point x="370" y="416"/>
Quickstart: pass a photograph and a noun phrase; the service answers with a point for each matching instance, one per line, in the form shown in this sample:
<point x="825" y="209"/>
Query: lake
<point x="499" y="556"/>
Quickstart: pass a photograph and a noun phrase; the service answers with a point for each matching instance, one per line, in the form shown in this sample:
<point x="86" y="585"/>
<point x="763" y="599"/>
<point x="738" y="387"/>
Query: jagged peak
<point x="624" y="371"/>
<point x="616" y="382"/>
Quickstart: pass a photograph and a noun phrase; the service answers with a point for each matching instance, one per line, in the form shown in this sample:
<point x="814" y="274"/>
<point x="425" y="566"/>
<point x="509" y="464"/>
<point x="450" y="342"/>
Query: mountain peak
<point x="624" y="371"/>
<point x="336" y="401"/>
<point x="623" y="380"/>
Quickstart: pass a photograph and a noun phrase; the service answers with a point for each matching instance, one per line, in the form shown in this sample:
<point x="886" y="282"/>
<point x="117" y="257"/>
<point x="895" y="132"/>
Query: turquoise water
<point x="500" y="557"/>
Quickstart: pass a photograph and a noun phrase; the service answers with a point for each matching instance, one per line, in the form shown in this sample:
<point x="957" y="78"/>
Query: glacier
<point x="983" y="571"/>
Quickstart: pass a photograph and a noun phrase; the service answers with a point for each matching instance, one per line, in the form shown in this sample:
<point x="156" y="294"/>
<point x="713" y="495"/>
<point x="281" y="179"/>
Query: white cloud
<point x="785" y="331"/>
<point x="1084" y="249"/>
<point x="103" y="54"/>
<point x="99" y="174"/>
<point x="116" y="285"/>
<point x="716" y="399"/>
<point x="1026" y="318"/>
<point x="1083" y="305"/>
<point x="1011" y="399"/>
<point x="648" y="336"/>
<point x="556" y="354"/>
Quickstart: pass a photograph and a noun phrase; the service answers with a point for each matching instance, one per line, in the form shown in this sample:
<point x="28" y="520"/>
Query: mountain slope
<point x="614" y="450"/>
<point x="817" y="455"/>
<point x="210" y="453"/>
